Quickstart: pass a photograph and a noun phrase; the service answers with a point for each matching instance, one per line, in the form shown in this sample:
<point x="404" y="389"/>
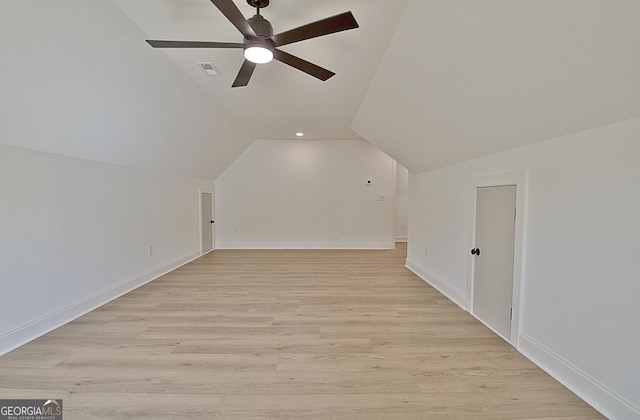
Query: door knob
<point x="212" y="221"/>
<point x="475" y="251"/>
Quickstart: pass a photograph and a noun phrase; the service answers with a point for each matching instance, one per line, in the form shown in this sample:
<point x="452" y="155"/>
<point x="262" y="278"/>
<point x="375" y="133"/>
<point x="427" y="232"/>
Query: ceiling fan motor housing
<point x="261" y="26"/>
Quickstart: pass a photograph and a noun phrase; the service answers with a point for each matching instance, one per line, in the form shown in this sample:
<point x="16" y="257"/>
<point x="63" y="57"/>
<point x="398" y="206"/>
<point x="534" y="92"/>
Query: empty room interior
<point x="428" y="210"/>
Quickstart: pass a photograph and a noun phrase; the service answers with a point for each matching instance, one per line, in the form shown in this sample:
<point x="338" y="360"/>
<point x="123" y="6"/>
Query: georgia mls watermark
<point x="30" y="409"/>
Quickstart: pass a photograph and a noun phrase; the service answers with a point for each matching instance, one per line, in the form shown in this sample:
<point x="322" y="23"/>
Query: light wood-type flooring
<point x="285" y="335"/>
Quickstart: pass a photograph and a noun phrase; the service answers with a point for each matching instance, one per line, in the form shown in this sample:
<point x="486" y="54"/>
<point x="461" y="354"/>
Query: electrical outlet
<point x="150" y="250"/>
<point x="342" y="230"/>
<point x="403" y="227"/>
<point x="236" y="229"/>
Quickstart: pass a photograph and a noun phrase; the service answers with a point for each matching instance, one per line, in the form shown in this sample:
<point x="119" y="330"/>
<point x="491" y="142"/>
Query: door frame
<point x="519" y="179"/>
<point x="201" y="223"/>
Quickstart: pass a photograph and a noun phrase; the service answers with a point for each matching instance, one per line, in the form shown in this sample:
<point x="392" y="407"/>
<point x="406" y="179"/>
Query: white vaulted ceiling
<point x="279" y="100"/>
<point x="459" y="78"/>
<point x="467" y="78"/>
<point x="430" y="82"/>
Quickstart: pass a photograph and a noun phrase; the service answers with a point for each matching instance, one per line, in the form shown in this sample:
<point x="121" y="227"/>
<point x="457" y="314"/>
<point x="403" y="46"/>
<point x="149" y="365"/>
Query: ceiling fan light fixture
<point x="258" y="54"/>
<point x="260" y="45"/>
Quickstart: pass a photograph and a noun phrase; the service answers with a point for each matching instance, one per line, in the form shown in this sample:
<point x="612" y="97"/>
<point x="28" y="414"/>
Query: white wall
<point x="79" y="80"/>
<point x="580" y="307"/>
<point x="302" y="193"/>
<point x="402" y="203"/>
<point x="75" y="233"/>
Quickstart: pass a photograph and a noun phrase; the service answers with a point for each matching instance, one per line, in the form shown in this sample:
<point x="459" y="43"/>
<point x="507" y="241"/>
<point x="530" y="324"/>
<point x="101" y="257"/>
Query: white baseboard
<point x="28" y="332"/>
<point x="305" y="245"/>
<point x="454" y="295"/>
<point x="589" y="389"/>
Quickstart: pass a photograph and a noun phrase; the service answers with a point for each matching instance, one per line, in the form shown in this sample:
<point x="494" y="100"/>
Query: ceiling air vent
<point x="209" y="68"/>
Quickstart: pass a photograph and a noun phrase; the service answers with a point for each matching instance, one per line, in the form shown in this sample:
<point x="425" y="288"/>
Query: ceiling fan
<point x="260" y="44"/>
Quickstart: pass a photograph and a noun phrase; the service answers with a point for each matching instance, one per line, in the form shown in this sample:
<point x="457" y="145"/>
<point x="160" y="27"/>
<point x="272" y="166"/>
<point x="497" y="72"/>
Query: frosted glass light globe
<point x="258" y="55"/>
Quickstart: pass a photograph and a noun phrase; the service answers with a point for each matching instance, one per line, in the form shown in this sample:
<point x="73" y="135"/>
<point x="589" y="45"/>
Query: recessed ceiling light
<point x="209" y="68"/>
<point x="299" y="134"/>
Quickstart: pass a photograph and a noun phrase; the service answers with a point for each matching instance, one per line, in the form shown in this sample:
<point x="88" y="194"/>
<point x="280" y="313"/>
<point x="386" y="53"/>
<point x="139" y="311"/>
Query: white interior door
<point x="207" y="222"/>
<point x="493" y="261"/>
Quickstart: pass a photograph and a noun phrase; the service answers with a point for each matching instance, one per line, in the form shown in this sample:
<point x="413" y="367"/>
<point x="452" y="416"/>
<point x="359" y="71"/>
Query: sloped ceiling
<point x="279" y="100"/>
<point x="466" y="78"/>
<point x="430" y="82"/>
<point x="76" y="80"/>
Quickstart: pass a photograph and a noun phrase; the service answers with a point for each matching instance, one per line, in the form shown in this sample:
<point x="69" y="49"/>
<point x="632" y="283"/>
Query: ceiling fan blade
<point x="242" y="79"/>
<point x="330" y="25"/>
<point x="193" y="44"/>
<point x="235" y="17"/>
<point x="302" y="65"/>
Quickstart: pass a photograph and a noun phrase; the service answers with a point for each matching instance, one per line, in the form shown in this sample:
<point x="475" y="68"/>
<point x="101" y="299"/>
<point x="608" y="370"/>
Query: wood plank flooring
<point x="285" y="335"/>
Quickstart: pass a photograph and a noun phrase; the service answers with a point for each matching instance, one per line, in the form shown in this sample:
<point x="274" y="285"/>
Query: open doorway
<point x="401" y="212"/>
